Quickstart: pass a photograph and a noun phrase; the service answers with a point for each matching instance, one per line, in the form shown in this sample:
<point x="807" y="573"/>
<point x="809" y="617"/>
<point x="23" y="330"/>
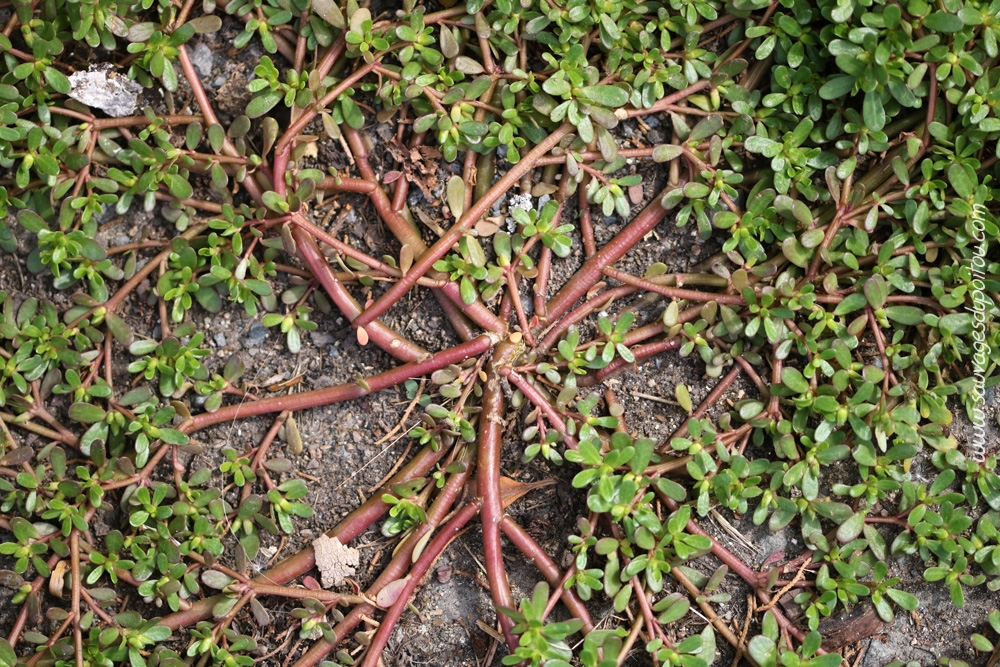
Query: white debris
<point x="335" y="561"/>
<point x="521" y="200"/>
<point x="101" y="87"/>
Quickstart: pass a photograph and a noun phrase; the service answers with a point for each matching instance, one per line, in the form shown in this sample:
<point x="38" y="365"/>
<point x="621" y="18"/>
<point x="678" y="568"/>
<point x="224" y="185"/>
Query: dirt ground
<point x="344" y="458"/>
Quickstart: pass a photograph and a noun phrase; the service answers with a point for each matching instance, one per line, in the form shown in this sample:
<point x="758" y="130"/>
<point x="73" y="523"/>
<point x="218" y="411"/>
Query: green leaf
<point x="215" y="579"/>
<point x="874" y="112"/>
<point x="908" y="315"/>
<point x="208" y="23"/>
<point x="763" y="650"/>
<point x="666" y="152"/>
<point x="963" y="179"/>
<point x="275" y="202"/>
<point x="762" y="145"/>
<point x="794" y="380"/>
<point x="173" y="436"/>
<point x="456" y="196"/>
<point x="216" y="136"/>
<point x="179" y="186"/>
<point x="944" y="22"/>
<point x="907" y="601"/>
<point x="837" y="87"/>
<point x="851" y="528"/>
<point x="57" y="80"/>
<point x="851" y="303"/>
<point x="86" y="413"/>
<point x="352" y="114"/>
<point x="263" y="102"/>
<point x="608" y="96"/>
<point x="31" y="221"/>
<point x="329" y="11"/>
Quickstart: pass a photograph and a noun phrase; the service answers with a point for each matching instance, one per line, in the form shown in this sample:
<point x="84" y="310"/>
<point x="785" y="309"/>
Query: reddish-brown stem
<point x="490" y="441"/>
<point x="74" y="554"/>
<point x="539" y="401"/>
<point x="581" y="313"/>
<point x="673" y="98"/>
<point x="407" y="235"/>
<point x="589" y="156"/>
<point x="470" y="217"/>
<point x="378" y="333"/>
<point x="541" y="283"/>
<point x="674" y="292"/>
<point x="283" y="149"/>
<point x="430" y="554"/>
<point x="298" y="564"/>
<point x="532" y="550"/>
<point x="22" y="617"/>
<point x="741" y="569"/>
<point x="343" y="392"/>
<point x="653" y="629"/>
<point x="346" y="184"/>
<point x="396" y="567"/>
<point x="586" y="223"/>
<point x="350" y="251"/>
<point x="641" y="353"/>
<point x="713" y="618"/>
<point x="752" y="374"/>
<point x="888" y="377"/>
<point x="128" y="121"/>
<point x="713" y="397"/>
<point x="614" y="250"/>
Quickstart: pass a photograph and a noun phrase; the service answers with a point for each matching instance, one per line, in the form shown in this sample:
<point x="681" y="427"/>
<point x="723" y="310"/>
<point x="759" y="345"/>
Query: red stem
<point x="547" y="567"/>
<point x="615" y="249"/>
<point x="490" y="441"/>
<point x="378" y="333"/>
<point x="343" y="392"/>
<point x="470" y="217"/>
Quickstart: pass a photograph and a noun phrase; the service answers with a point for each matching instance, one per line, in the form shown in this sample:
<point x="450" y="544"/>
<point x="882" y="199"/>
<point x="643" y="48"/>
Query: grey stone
<point x="220" y="339"/>
<point x="255" y="336"/>
<point x="320" y="338"/>
<point x="497" y="207"/>
<point x="652" y="121"/>
<point x="201" y="58"/>
<point x="655" y="136"/>
<point x="101" y="87"/>
<point x="324" y="381"/>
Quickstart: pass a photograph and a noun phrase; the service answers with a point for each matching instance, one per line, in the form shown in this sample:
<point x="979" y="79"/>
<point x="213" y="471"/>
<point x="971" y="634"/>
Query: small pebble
<point x="320" y="338"/>
<point x="201" y="58"/>
<point x="255" y="336"/>
<point x="497" y="207"/>
<point x="220" y="339"/>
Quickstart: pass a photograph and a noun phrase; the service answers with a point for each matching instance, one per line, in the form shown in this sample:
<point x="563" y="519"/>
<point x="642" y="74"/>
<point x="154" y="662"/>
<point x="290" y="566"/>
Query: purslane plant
<point x="837" y="160"/>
